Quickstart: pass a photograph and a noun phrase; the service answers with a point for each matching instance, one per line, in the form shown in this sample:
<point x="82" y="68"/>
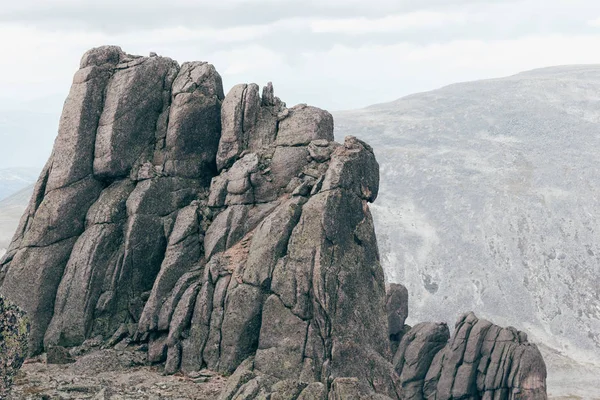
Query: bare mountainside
<point x="14" y="179"/>
<point x="11" y="209"/>
<point x="489" y="201"/>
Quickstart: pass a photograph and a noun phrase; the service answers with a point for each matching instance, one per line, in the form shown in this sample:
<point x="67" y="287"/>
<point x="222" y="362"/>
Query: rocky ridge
<point x="232" y="233"/>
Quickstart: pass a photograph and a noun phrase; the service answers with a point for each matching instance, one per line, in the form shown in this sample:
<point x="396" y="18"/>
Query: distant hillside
<point x="14" y="179"/>
<point x="11" y="209"/>
<point x="490" y="201"/>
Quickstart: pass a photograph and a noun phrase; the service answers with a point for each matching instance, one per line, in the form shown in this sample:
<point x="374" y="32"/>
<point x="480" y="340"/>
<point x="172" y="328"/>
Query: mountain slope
<point x="490" y="201"/>
<point x="14" y="179"/>
<point x="11" y="209"/>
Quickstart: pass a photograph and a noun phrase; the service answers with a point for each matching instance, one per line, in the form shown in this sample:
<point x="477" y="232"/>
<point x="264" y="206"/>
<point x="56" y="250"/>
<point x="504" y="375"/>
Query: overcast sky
<point x="335" y="54"/>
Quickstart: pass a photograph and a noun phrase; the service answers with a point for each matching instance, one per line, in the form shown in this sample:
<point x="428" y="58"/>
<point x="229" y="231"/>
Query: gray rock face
<point x="396" y="306"/>
<point x="482" y="360"/>
<point x="229" y="233"/>
<point x="194" y="125"/>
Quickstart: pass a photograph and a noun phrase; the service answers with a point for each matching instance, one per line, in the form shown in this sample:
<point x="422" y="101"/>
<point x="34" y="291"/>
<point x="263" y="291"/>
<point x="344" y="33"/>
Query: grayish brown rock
<point x="232" y="115"/>
<point x="314" y="391"/>
<point x="243" y="374"/>
<point x="14" y="329"/>
<point x="183" y="251"/>
<point x="241" y="325"/>
<point x="396" y="306"/>
<point x="31" y="282"/>
<point x="303" y="125"/>
<point x="347" y="389"/>
<point x="58" y="355"/>
<point x="248" y="122"/>
<point x="138" y="92"/>
<point x="74" y="146"/>
<point x="194" y="126"/>
<point x="415" y="355"/>
<point x="483" y="360"/>
<point x="282" y="341"/>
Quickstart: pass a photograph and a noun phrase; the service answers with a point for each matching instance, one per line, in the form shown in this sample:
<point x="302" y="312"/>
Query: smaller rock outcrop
<point x="481" y="361"/>
<point x="396" y="306"/>
<point x="14" y="329"/>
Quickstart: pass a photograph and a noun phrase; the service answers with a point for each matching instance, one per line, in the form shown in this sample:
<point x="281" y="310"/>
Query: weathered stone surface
<point x="232" y="114"/>
<point x="243" y="374"/>
<point x="157" y="349"/>
<point x="173" y="301"/>
<point x="36" y="199"/>
<point x="58" y="355"/>
<point x="415" y="355"/>
<point x="241" y="325"/>
<point x="110" y="206"/>
<point x="81" y="285"/>
<point x="248" y="122"/>
<point x="482" y="360"/>
<point x="353" y="167"/>
<point x="31" y="282"/>
<point x="304" y="124"/>
<point x="396" y="305"/>
<point x="269" y="242"/>
<point x="74" y="146"/>
<point x="314" y="391"/>
<point x="14" y="329"/>
<point x="346" y="389"/>
<point x="64" y="204"/>
<point x="193" y="346"/>
<point x="194" y="121"/>
<point x="135" y="97"/>
<point x="282" y="341"/>
<point x="183" y="251"/>
<point x="287" y="389"/>
<point x="287" y="163"/>
<point x="100" y="56"/>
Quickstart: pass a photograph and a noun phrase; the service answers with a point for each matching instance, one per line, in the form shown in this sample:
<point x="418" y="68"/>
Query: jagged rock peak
<point x="222" y="232"/>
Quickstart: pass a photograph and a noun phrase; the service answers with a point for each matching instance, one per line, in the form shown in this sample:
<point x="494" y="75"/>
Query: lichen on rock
<point x="14" y="330"/>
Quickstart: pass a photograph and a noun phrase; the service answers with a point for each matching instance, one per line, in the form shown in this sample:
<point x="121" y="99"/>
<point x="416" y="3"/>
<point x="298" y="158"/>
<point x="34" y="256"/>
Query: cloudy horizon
<point x="332" y="54"/>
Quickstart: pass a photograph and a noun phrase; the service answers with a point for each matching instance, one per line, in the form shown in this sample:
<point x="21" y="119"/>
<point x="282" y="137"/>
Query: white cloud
<point x="41" y="63"/>
<point x="338" y="60"/>
<point x="393" y="23"/>
<point x="247" y="59"/>
<point x="184" y="34"/>
<point x="594" y="22"/>
<point x="384" y="72"/>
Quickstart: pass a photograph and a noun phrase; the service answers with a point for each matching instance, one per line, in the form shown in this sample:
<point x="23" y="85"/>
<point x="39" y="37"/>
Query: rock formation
<point x="14" y="329"/>
<point x="481" y="361"/>
<point x="231" y="233"/>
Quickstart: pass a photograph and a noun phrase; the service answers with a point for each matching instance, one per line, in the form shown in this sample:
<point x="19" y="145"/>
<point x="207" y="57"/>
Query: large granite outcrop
<point x="231" y="233"/>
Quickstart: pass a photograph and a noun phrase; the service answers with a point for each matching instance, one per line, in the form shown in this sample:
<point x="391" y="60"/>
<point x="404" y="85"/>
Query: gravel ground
<point x="111" y="374"/>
